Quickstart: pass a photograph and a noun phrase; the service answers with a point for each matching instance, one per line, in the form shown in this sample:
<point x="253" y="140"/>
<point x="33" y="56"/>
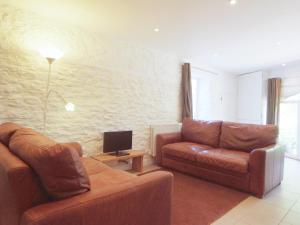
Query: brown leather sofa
<point x="242" y="156"/>
<point x="115" y="197"/>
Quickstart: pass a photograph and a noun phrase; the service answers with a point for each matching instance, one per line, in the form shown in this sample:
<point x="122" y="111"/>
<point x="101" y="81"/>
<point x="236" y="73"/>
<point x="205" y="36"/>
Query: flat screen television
<point x="116" y="142"/>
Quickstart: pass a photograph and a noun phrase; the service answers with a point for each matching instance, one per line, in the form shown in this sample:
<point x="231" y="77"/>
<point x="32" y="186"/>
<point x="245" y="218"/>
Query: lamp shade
<point x="51" y="52"/>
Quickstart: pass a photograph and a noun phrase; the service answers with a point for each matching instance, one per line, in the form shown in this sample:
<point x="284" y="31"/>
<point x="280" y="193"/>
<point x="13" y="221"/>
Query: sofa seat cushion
<point x="110" y="177"/>
<point x="236" y="161"/>
<point x="202" y="155"/>
<point x="185" y="150"/>
<point x="93" y="166"/>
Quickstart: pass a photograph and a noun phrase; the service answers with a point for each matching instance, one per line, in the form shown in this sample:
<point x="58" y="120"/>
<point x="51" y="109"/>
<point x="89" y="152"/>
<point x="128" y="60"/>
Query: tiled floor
<point x="281" y="206"/>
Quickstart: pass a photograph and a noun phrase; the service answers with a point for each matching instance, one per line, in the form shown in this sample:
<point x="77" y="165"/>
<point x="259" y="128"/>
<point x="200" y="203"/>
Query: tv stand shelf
<point x="136" y="156"/>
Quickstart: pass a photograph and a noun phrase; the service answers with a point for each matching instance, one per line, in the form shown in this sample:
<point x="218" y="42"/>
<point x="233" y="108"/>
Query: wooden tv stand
<point x="136" y="156"/>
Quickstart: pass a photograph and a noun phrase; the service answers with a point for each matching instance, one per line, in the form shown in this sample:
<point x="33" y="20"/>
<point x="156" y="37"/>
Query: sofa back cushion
<point x="58" y="166"/>
<point x="7" y="130"/>
<point x="202" y="132"/>
<point x="247" y="137"/>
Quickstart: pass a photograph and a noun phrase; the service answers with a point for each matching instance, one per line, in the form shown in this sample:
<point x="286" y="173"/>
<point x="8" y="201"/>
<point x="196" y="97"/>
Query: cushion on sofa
<point x="221" y="159"/>
<point x="185" y="150"/>
<point x="30" y="137"/>
<point x="232" y="160"/>
<point x="76" y="146"/>
<point x="7" y="130"/>
<point x="58" y="166"/>
<point x="202" y="132"/>
<point x="247" y="137"/>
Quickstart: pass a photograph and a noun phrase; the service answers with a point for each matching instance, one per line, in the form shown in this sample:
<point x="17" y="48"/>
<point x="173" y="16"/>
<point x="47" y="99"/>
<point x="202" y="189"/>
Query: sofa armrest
<point x="145" y="200"/>
<point x="164" y="139"/>
<point x="266" y="169"/>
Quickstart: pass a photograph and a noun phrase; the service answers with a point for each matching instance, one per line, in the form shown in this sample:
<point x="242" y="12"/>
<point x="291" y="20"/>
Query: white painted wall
<point x="250" y="98"/>
<point x="114" y="85"/>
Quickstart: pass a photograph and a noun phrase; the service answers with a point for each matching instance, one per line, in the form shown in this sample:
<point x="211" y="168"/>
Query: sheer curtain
<point x="289" y="115"/>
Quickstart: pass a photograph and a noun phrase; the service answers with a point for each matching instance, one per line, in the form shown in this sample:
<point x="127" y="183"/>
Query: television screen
<point x="117" y="141"/>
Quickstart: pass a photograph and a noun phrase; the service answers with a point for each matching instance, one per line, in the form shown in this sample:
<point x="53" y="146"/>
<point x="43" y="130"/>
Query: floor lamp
<point x="51" y="55"/>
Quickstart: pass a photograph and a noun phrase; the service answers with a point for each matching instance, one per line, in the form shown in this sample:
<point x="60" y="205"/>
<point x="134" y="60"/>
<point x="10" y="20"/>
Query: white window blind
<point x="289" y="120"/>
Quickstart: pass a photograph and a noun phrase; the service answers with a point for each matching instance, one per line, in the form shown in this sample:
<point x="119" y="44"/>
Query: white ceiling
<point x="212" y="33"/>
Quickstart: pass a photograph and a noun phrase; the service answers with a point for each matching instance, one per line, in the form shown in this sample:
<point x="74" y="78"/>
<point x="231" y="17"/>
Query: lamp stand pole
<point x="50" y="61"/>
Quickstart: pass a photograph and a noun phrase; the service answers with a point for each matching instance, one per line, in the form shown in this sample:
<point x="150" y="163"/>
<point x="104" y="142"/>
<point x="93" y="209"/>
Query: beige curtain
<point x="274" y="92"/>
<point x="187" y="111"/>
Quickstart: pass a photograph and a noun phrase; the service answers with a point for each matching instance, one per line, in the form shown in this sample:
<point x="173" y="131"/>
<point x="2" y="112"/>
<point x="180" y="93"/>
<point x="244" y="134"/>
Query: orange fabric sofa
<point x="242" y="156"/>
<point x="116" y="197"/>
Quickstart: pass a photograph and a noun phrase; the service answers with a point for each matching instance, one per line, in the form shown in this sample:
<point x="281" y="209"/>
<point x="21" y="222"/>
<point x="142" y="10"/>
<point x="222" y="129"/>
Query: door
<point x="250" y="98"/>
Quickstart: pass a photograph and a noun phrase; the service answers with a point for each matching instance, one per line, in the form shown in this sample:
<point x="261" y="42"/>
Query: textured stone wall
<point x="114" y="85"/>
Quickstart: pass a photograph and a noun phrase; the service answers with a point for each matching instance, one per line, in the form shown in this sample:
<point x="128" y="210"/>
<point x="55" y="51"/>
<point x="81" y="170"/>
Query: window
<point x="201" y="92"/>
<point x="289" y="127"/>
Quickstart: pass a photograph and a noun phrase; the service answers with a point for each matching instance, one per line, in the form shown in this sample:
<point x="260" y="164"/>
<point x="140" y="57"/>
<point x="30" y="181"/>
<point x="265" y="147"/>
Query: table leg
<point x="137" y="164"/>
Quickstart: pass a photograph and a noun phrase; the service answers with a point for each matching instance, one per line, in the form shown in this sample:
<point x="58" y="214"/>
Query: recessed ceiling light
<point x="283" y="64"/>
<point x="156" y="29"/>
<point x="232" y="2"/>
